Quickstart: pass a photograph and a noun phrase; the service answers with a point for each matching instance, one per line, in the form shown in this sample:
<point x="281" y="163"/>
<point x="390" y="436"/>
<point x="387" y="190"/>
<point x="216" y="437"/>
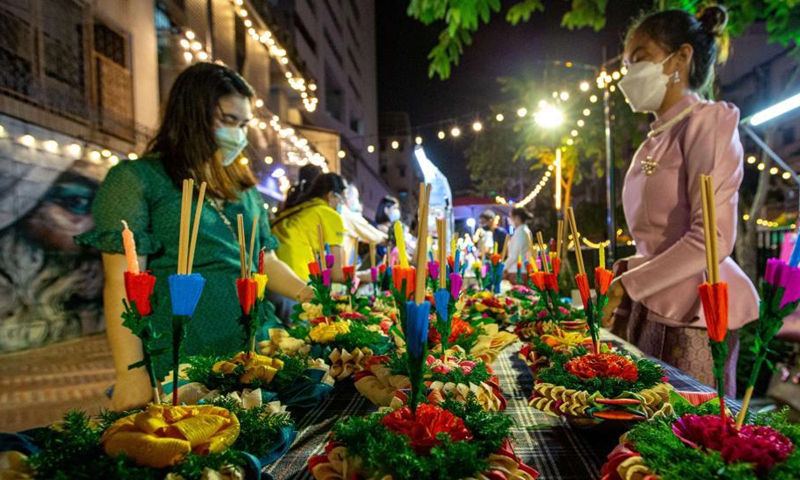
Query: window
<point x="334" y="96"/>
<point x="353" y="61"/>
<point x="354" y="88"/>
<point x="332" y="46"/>
<point x="355" y="10"/>
<point x="333" y="17"/>
<point x="788" y="134"/>
<point x="114" y="81"/>
<point x="110" y="44"/>
<point x="353" y="34"/>
<point x="357" y="125"/>
<point x="298" y="24"/>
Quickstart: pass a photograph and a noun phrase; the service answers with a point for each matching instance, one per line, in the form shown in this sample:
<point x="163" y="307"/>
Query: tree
<point x="462" y="19"/>
<point x="498" y="155"/>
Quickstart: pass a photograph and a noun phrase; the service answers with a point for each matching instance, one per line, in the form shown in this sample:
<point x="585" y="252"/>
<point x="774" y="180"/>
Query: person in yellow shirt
<point x="296" y="227"/>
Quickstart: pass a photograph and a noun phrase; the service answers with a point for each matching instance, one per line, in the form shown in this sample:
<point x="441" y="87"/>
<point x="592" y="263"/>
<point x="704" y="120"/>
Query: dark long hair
<point x="380" y="212"/>
<point x="305" y="177"/>
<point x="185" y="141"/>
<point x="673" y="28"/>
<point x="320" y="187"/>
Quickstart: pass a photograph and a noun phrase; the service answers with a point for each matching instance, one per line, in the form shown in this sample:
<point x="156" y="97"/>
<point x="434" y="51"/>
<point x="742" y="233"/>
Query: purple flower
<point x="326" y="277"/>
<point x="373" y="271"/>
<point x="770" y="274"/>
<point x="790" y="281"/>
<point x="455" y="285"/>
<point x="433" y="269"/>
<point x="329" y="259"/>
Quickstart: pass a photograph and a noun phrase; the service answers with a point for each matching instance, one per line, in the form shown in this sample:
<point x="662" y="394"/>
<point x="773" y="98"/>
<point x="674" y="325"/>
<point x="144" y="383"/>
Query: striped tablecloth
<point x="551" y="445"/>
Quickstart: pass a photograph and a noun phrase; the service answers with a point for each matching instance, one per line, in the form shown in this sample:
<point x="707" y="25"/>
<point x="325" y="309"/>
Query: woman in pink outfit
<point x="670" y="57"/>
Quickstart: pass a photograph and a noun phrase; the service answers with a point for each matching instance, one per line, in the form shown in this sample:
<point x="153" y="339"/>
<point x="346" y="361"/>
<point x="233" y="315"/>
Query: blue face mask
<point x="230" y="142"/>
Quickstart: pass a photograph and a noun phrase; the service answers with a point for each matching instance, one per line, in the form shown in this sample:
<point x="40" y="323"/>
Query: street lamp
<point x="775" y="111"/>
<point x="548" y="117"/>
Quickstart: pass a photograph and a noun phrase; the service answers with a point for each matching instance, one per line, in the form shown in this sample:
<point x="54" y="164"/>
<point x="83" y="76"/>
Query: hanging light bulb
<point x="395" y="144"/>
<point x="751" y="159"/>
<point x="441" y="135"/>
<point x="455" y="131"/>
<point x="584" y="86"/>
<point x="522" y="111"/>
<point x="418" y="140"/>
<point x="499" y="117"/>
<point x="371" y="148"/>
<point x="477" y="126"/>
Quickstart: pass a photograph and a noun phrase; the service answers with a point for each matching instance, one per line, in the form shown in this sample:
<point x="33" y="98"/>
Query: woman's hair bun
<point x="713" y="19"/>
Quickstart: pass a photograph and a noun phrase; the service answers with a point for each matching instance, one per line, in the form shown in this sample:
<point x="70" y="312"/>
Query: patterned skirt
<point x="682" y="347"/>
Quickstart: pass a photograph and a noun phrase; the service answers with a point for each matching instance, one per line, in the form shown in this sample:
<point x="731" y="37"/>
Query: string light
<point x="584" y="86"/>
<point x="593" y="99"/>
<point x="586" y="112"/>
<point x="751" y="159"/>
<point x="773" y="171"/>
<point x="455" y="131"/>
<point x="574" y="133"/>
<point x="418" y="140"/>
<point x="570" y="141"/>
<point x="113" y="159"/>
<point x="268" y="160"/>
<point x="50" y="146"/>
<point x="522" y="111"/>
<point x="371" y="148"/>
<point x="441" y="135"/>
<point x="74" y="150"/>
<point x="395" y="144"/>
<point x="761" y="166"/>
<point x="746" y="217"/>
<point x="27" y="140"/>
<point x="477" y="126"/>
<point x="581" y="122"/>
<point x="786" y="175"/>
<point x="342" y="154"/>
<point x="499" y="117"/>
<point x="564" y="96"/>
<point x="132" y="156"/>
<point x="244" y="160"/>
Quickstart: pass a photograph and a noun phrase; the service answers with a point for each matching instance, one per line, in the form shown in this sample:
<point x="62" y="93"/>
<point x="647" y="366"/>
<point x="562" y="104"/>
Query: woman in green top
<point x="202" y="135"/>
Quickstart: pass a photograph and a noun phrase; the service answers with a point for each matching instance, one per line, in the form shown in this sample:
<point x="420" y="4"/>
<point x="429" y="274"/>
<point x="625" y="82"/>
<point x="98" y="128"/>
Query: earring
<point x="676" y="77"/>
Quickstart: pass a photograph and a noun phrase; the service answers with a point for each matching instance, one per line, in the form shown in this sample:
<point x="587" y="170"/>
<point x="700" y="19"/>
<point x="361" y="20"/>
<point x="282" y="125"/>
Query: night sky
<point x="498" y="50"/>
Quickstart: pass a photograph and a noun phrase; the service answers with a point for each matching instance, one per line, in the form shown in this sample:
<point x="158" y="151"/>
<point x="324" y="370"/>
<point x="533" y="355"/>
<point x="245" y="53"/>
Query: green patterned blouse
<point x="141" y="193"/>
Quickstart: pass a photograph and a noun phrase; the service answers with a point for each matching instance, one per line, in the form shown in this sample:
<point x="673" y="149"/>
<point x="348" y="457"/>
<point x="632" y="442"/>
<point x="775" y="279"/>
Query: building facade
<point x="335" y="39"/>
<point x="81" y="87"/>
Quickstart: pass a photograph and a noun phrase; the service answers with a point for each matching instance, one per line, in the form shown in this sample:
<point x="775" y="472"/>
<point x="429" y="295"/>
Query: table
<point x="551" y="445"/>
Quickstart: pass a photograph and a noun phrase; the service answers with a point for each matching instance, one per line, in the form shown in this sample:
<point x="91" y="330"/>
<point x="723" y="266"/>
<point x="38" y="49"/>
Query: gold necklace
<point x="222" y="216"/>
<point x="650" y="163"/>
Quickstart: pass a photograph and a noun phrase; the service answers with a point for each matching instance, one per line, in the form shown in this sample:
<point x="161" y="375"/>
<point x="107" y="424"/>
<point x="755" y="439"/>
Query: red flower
<point x="603" y="365"/>
<point x="583" y="287"/>
<point x="423" y="427"/>
<point x="538" y="280"/>
<point x="247" y="290"/>
<point x="761" y="446"/>
<point x="555" y="265"/>
<point x="382" y="268"/>
<point x="313" y="268"/>
<point x="621" y="452"/>
<point x="495" y="258"/>
<point x="459" y="327"/>
<point x="551" y="282"/>
<point x="602" y="279"/>
<point x="715" y="307"/>
<point x="529" y="268"/>
<point x="349" y="272"/>
<point x="138" y="288"/>
<point x="404" y="273"/>
<point x="451" y="262"/>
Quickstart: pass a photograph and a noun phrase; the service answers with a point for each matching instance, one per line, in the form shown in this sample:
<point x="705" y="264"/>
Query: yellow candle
<point x="495" y="248"/>
<point x="401" y="244"/>
<point x="602" y="255"/>
<point x="130" y="249"/>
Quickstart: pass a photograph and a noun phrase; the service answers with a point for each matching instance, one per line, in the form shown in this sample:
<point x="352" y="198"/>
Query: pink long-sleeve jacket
<point x="665" y="217"/>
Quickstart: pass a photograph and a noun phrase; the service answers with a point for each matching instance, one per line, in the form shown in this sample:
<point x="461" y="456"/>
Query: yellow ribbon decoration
<point x="255" y="367"/>
<point x="326" y="332"/>
<point x="162" y="435"/>
<point x="261" y="284"/>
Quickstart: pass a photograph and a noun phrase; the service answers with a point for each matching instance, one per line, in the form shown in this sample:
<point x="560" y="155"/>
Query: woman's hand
<point x="132" y="390"/>
<point x="305" y="294"/>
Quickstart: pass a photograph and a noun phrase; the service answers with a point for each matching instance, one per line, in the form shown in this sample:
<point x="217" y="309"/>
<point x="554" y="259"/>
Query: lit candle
<point x="401" y="244"/>
<point x="130" y="249"/>
<point x="261" y="261"/>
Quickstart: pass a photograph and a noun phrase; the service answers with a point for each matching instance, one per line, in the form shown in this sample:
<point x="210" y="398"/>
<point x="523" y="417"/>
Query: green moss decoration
<point x="384" y="452"/>
<point x="672" y="459"/>
<point x="650" y="375"/>
<point x="201" y="372"/>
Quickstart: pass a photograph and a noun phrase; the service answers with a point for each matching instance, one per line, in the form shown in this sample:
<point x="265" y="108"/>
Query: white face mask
<point x="230" y="142"/>
<point x="645" y="85"/>
<point x="394" y="215"/>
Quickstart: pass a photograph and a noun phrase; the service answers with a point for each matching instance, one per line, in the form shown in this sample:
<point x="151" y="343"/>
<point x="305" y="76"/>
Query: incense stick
<point x="576" y="237"/>
<point x="422" y="244"/>
<point x="559" y="238"/>
<point x="711" y="240"/>
<point x="252" y="244"/>
<point x="321" y="241"/>
<point x="372" y="255"/>
<point x="181" y="230"/>
<point x="545" y="265"/>
<point x="240" y="237"/>
<point x="196" y="227"/>
<point x="441" y="230"/>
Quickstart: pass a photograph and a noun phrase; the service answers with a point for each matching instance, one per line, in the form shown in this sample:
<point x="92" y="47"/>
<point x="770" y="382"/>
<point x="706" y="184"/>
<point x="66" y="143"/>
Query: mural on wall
<point x="51" y="287"/>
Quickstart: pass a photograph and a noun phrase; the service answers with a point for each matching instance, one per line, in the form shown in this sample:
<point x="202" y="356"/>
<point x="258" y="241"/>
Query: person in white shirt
<point x="356" y="227"/>
<point x="518" y="243"/>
